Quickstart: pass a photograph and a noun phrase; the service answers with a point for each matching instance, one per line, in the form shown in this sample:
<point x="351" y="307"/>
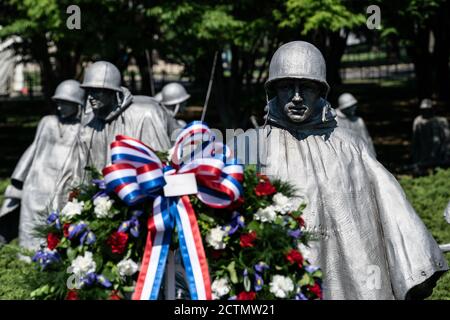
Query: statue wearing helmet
<point x="431" y="138"/>
<point x="347" y="118"/>
<point x="174" y="97"/>
<point x="115" y="111"/>
<point x="355" y="209"/>
<point x="34" y="178"/>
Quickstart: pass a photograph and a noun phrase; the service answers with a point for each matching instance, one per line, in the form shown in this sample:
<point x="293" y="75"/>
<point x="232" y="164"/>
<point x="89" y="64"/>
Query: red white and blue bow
<point x="137" y="174"/>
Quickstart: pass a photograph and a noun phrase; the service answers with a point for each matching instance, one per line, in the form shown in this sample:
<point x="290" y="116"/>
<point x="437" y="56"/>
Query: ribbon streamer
<point x="137" y="174"/>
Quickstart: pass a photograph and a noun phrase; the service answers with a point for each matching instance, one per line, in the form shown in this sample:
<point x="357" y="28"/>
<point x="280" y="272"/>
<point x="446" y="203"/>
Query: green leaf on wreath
<point x="87" y="206"/>
<point x="305" y="280"/>
<point x="232" y="271"/>
<point x="72" y="253"/>
<point x="253" y="226"/>
<point x="128" y="289"/>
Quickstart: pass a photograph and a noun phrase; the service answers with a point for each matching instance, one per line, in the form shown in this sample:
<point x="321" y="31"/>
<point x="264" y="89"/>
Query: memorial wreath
<point x="238" y="232"/>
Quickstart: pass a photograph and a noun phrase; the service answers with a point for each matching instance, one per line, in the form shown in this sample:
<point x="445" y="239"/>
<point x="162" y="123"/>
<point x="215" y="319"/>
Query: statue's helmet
<point x="102" y="75"/>
<point x="158" y="96"/>
<point x="346" y="100"/>
<point x="70" y="90"/>
<point x="298" y="60"/>
<point x="173" y="93"/>
<point x="426" y="104"/>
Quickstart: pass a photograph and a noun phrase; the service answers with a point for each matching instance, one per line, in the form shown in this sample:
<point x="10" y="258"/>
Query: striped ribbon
<point x="137" y="174"/>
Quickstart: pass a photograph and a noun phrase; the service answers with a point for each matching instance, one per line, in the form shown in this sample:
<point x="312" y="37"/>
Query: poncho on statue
<point x="34" y="178"/>
<point x="364" y="223"/>
<point x="38" y="169"/>
<point x="370" y="243"/>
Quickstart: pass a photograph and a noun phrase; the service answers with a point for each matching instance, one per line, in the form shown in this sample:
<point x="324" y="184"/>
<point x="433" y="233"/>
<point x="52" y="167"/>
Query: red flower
<point x="72" y="295"/>
<point x="52" y="240"/>
<point x="246" y="295"/>
<point x="300" y="221"/>
<point x="264" y="187"/>
<point x="118" y="242"/>
<point x="73" y="194"/>
<point x="248" y="239"/>
<point x="114" y="295"/>
<point x="294" y="256"/>
<point x="316" y="290"/>
<point x="66" y="229"/>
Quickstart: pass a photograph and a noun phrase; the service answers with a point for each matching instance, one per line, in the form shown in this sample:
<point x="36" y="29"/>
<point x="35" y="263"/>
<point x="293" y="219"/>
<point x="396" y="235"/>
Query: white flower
<point x="72" y="209"/>
<point x="267" y="214"/>
<point x="281" y="286"/>
<point x="102" y="207"/>
<point x="306" y="251"/>
<point x="220" y="287"/>
<point x="127" y="267"/>
<point x="215" y="238"/>
<point x="83" y="265"/>
<point x="282" y="203"/>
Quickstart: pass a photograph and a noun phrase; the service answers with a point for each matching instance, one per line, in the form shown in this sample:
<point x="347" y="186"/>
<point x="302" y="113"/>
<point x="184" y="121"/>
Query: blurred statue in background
<point x="447" y="213"/>
<point x="174" y="97"/>
<point x="115" y="111"/>
<point x="431" y="138"/>
<point x="158" y="97"/>
<point x="34" y="178"/>
<point x="347" y="118"/>
<point x="370" y="243"/>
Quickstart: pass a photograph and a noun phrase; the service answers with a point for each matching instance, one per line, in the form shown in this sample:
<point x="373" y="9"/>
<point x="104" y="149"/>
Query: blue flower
<point x="45" y="257"/>
<point x="132" y="225"/>
<point x="236" y="221"/>
<point x="311" y="269"/>
<point x="261" y="267"/>
<point x="54" y="218"/>
<point x="300" y="296"/>
<point x="297" y="233"/>
<point x="258" y="282"/>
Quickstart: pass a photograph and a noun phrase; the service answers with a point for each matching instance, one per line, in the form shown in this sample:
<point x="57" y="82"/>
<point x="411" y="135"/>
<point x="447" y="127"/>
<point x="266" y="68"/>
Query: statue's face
<point x="66" y="109"/>
<point x="427" y="113"/>
<point x="102" y="101"/>
<point x="176" y="108"/>
<point x="297" y="98"/>
<point x="350" y="111"/>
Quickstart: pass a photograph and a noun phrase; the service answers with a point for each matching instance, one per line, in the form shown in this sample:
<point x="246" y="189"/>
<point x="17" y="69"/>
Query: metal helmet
<point x="298" y="60"/>
<point x="426" y="104"/>
<point x="346" y="100"/>
<point x="158" y="96"/>
<point x="70" y="90"/>
<point x="102" y="75"/>
<point x="173" y="93"/>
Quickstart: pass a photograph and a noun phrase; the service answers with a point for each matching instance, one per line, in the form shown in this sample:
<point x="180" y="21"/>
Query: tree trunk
<point x="441" y="30"/>
<point x="40" y="52"/>
<point x="141" y="61"/>
<point x="422" y="60"/>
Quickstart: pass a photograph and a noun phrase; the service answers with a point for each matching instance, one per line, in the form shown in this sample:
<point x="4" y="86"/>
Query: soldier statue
<point x="370" y="243"/>
<point x="347" y="118"/>
<point x="174" y="97"/>
<point x="34" y="178"/>
<point x="431" y="138"/>
<point x="115" y="111"/>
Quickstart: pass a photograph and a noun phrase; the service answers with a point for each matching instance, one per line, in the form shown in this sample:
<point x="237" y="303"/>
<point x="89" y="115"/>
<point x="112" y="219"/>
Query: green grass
<point x="15" y="274"/>
<point x="429" y="196"/>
